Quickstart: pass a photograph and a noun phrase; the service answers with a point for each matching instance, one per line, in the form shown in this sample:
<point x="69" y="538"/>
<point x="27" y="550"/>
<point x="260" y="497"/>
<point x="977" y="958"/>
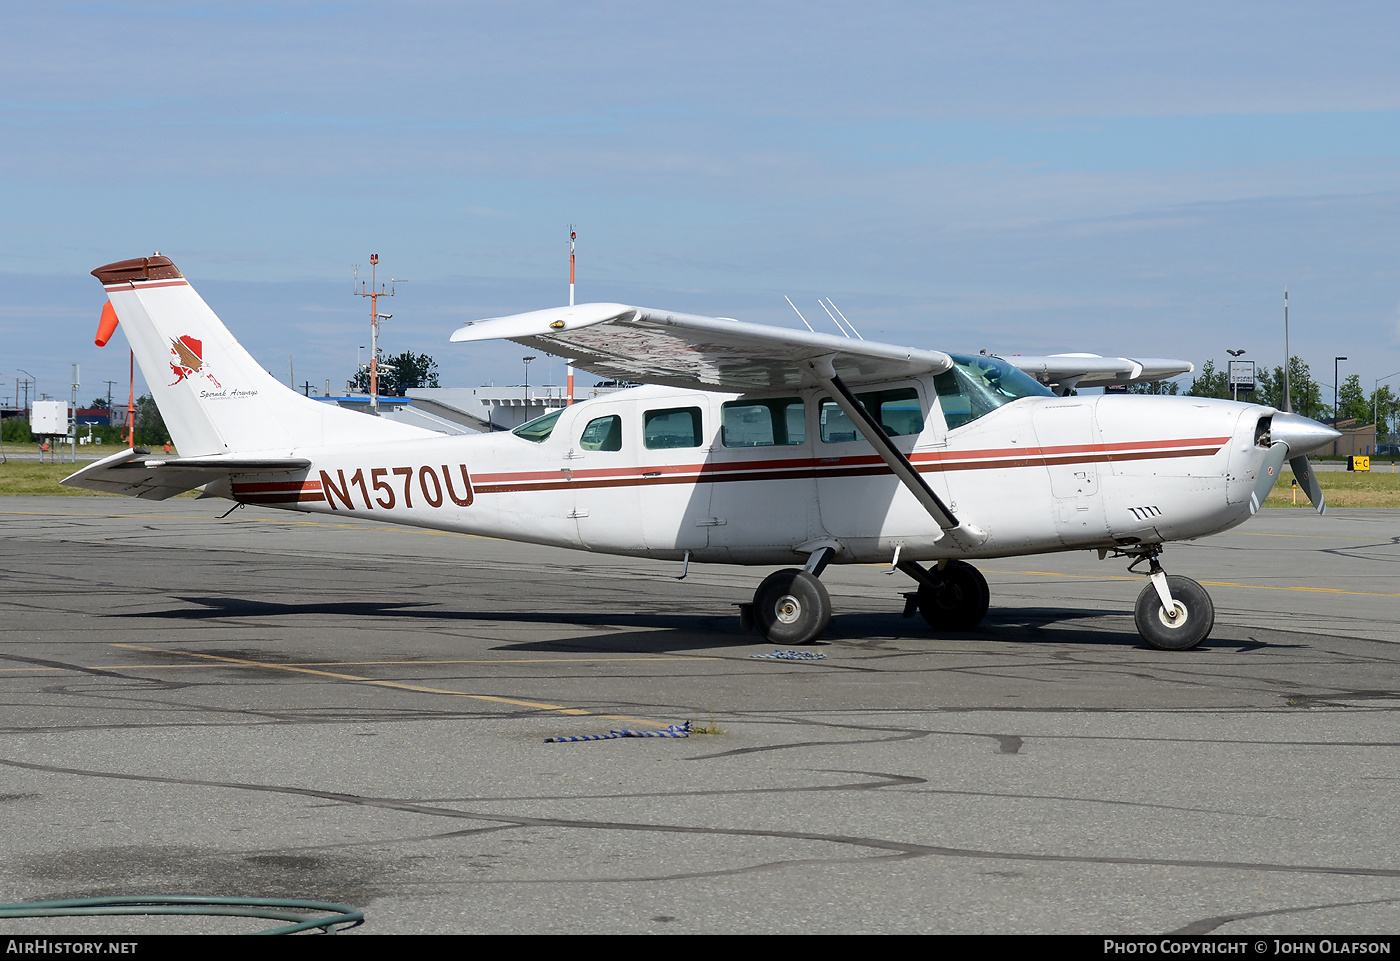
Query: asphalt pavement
<point x="278" y="705"/>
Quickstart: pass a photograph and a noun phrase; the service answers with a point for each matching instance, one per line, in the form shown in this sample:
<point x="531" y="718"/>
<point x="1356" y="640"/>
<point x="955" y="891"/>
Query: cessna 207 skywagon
<point x="748" y="445"/>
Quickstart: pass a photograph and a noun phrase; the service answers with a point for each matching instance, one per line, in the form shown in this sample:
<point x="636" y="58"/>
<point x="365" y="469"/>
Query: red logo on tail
<point x="189" y="359"/>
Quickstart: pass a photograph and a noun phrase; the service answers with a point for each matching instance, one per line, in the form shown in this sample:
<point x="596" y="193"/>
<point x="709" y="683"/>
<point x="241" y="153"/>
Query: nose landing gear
<point x="1173" y="613"/>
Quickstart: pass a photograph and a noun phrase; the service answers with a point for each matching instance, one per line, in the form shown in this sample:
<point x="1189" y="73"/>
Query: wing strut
<point x="825" y="372"/>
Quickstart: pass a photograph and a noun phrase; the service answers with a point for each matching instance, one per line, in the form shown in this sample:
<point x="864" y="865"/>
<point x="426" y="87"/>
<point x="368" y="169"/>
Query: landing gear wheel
<point x="1181" y="629"/>
<point x="960" y="602"/>
<point x="791" y="606"/>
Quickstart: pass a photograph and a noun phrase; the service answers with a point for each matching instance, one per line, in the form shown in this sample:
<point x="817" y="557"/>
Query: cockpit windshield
<point x="538" y="430"/>
<point x="976" y="386"/>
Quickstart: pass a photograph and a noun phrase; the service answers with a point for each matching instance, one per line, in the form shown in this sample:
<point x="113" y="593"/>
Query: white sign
<point x="1241" y="375"/>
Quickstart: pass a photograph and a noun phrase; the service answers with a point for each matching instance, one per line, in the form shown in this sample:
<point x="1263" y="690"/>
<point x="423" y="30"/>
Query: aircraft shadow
<point x="690" y="631"/>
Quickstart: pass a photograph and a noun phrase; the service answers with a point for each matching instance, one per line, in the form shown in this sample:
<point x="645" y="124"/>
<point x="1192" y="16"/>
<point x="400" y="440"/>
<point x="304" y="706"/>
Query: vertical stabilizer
<point x="214" y="396"/>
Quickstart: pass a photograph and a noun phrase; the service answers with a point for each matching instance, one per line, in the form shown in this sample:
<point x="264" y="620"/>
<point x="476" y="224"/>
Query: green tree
<point x="1352" y="401"/>
<point x="15" y="430"/>
<point x="1383" y="403"/>
<point x="1307" y="395"/>
<point x="150" y="425"/>
<point x="1155" y="387"/>
<point x="99" y="402"/>
<point x="398" y="373"/>
<point x="1210" y="382"/>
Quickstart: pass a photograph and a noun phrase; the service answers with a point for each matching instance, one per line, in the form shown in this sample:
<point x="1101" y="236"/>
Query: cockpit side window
<point x="772" y="422"/>
<point x="602" y="433"/>
<point x="538" y="430"/>
<point x="975" y="386"/>
<point x="897" y="411"/>
<point x="670" y="429"/>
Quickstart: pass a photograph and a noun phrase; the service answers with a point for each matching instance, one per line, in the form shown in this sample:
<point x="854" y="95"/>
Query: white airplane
<point x="748" y="445"/>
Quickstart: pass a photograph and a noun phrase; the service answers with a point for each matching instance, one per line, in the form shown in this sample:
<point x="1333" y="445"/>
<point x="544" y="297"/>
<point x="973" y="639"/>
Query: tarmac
<point x="279" y="705"/>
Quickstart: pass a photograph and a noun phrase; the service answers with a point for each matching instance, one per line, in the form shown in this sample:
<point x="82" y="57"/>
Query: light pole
<point x="527" y="380"/>
<point x="1336" y="361"/>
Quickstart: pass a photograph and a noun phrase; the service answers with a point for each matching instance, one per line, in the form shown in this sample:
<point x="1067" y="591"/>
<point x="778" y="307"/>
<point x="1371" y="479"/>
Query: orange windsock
<point x="107" y="326"/>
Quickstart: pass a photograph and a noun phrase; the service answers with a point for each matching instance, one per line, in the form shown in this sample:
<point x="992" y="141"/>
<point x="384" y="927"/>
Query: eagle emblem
<point x="189" y="359"/>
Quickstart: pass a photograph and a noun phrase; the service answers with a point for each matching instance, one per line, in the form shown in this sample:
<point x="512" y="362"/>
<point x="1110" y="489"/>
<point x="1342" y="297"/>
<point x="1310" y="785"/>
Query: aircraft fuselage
<point x="765" y="478"/>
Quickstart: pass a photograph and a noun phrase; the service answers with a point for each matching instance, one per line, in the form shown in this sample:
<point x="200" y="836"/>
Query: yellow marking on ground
<point x="396" y="685"/>
<point x="144" y="517"/>
<point x="508" y="660"/>
<point x="1306" y="537"/>
<point x="1253" y="587"/>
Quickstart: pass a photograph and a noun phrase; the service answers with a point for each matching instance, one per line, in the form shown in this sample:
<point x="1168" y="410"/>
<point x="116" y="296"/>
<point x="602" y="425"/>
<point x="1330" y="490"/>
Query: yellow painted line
<point x="1305" y="537"/>
<point x="1252" y="587"/>
<point x="144" y="517"/>
<point x="504" y="660"/>
<point x="396" y="685"/>
<point x="508" y="660"/>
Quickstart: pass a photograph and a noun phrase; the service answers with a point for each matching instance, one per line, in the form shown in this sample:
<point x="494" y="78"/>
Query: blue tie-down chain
<point x="789" y="656"/>
<point x="675" y="730"/>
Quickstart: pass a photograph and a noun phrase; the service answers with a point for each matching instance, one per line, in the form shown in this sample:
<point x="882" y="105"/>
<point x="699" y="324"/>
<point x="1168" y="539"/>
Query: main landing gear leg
<point x="1173" y="613"/>
<point x="952" y="596"/>
<point x="792" y="606"/>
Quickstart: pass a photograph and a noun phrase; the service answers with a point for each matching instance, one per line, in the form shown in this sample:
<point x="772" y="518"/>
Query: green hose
<point x="277" y="909"/>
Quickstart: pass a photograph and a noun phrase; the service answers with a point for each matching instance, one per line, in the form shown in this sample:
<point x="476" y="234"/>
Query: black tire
<point x="1194" y="620"/>
<point x="791" y="607"/>
<point x="960" y="602"/>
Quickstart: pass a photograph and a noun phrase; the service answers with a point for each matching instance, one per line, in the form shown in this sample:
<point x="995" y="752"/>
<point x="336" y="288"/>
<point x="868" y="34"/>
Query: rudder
<point x="214" y="396"/>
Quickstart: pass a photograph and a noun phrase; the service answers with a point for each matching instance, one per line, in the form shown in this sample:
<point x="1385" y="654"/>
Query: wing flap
<point x="134" y="473"/>
<point x="644" y="345"/>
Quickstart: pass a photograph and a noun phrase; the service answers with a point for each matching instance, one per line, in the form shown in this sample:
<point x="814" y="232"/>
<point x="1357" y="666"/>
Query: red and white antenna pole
<point x="374" y="291"/>
<point x="573" y="236"/>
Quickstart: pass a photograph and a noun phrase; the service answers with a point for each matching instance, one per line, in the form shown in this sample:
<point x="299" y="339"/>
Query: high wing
<point x="136" y="474"/>
<point x="684" y="350"/>
<point x="1066" y="371"/>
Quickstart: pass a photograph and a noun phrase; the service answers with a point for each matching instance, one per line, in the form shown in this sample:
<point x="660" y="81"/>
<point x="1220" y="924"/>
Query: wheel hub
<point x="1175" y="618"/>
<point x="788" y="609"/>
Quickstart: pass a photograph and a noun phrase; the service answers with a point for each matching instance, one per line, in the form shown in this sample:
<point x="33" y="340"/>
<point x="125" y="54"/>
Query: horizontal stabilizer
<point x="135" y="473"/>
<point x="684" y="350"/>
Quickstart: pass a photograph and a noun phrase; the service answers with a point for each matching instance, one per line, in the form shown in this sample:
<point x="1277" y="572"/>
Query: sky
<point x="1127" y="178"/>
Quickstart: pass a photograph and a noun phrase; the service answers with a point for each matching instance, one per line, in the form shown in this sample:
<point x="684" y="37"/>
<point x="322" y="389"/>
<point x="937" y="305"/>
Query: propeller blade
<point x="1308" y="481"/>
<point x="1268" y="475"/>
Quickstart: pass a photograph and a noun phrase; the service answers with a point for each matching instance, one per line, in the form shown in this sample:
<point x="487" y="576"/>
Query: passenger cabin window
<point x="897" y="411"/>
<point x="670" y="429"/>
<point x="976" y="386"/>
<point x="539" y="429"/>
<point x="602" y="433"/>
<point x="776" y="422"/>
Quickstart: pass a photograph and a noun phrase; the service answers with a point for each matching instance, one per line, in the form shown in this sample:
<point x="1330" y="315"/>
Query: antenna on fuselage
<point x="845" y="318"/>
<point x="834" y="320"/>
<point x="799" y="313"/>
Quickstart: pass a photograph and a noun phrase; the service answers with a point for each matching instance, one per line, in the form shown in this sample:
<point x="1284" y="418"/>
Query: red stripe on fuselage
<point x="856" y="466"/>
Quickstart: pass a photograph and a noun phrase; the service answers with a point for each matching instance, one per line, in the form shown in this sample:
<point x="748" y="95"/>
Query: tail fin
<point x="214" y="396"/>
